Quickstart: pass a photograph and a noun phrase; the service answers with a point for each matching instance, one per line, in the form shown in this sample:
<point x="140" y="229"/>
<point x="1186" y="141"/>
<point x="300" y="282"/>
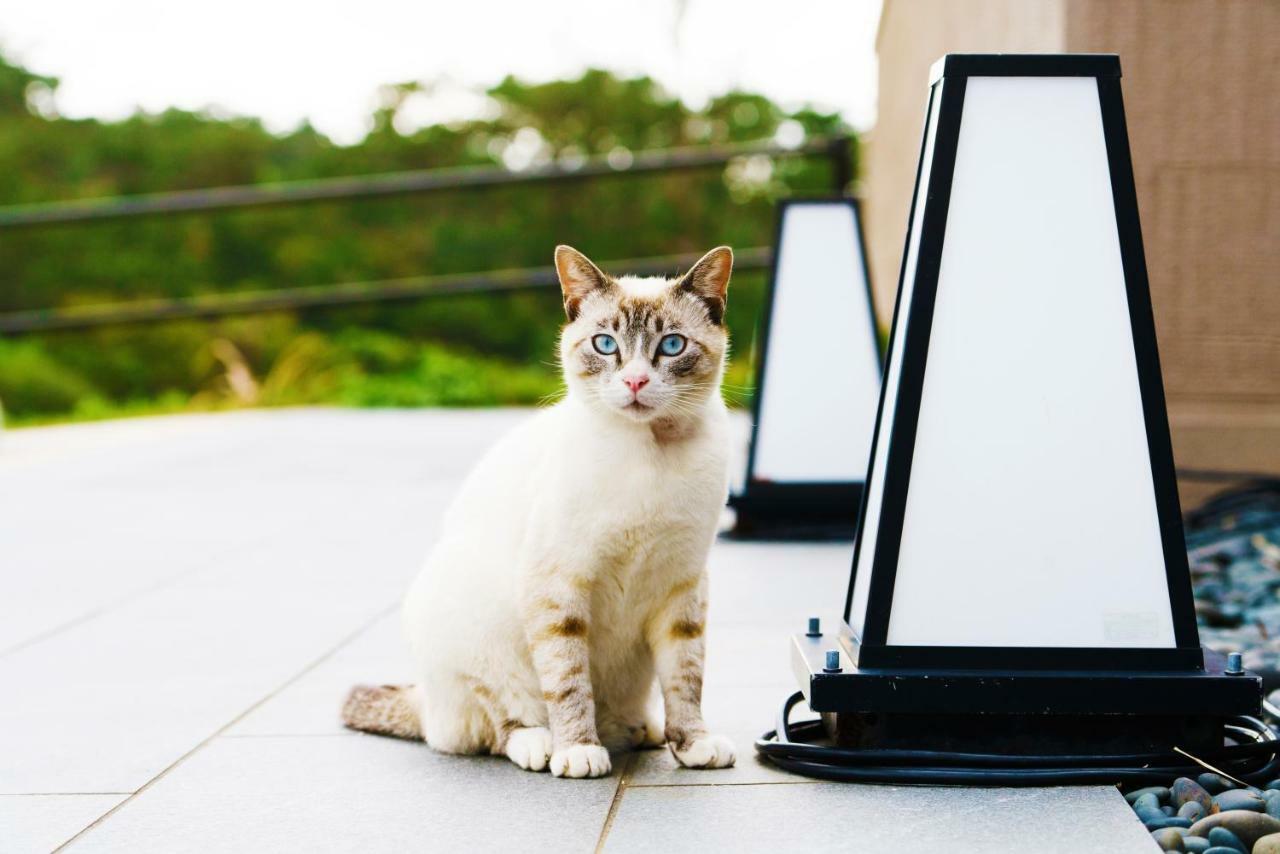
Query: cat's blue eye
<point x="671" y="345"/>
<point x="605" y="345"/>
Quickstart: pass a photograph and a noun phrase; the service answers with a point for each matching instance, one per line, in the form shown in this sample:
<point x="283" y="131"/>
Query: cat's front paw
<point x="530" y="747"/>
<point x="708" y="751"/>
<point x="580" y="760"/>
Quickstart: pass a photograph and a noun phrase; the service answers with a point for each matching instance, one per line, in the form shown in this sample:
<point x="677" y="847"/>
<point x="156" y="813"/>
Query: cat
<point x="572" y="570"/>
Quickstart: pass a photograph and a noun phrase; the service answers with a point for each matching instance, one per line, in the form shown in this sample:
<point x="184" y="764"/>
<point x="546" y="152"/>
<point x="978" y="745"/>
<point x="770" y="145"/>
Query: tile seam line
<point x="130" y="597"/>
<point x="634" y="785"/>
<point x="293" y="735"/>
<point x="347" y="639"/>
<point x="60" y="794"/>
<point x="615" y="804"/>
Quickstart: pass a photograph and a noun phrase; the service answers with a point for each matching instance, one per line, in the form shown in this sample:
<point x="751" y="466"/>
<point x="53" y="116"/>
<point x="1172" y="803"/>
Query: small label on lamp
<point x="1131" y="627"/>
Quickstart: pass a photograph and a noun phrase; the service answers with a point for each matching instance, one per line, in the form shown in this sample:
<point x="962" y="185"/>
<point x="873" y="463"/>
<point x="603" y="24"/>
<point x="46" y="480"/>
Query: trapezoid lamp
<point x="813" y="414"/>
<point x="1020" y="569"/>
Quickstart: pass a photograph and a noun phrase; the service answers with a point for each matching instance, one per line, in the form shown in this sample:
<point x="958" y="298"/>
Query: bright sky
<point x="286" y="60"/>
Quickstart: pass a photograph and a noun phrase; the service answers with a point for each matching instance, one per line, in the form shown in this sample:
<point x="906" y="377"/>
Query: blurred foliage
<point x="460" y="350"/>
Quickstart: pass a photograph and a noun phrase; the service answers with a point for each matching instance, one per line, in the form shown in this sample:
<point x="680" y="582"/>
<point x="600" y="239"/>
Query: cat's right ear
<point x="578" y="278"/>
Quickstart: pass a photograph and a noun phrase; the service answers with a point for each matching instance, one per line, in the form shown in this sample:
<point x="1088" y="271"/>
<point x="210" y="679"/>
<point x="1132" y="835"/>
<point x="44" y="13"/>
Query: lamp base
<point x="1042" y="712"/>
<point x="1025" y="735"/>
<point x="796" y="511"/>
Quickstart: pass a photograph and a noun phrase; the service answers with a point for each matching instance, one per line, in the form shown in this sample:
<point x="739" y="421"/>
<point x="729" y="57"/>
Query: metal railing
<point x="420" y="182"/>
<point x="383" y="290"/>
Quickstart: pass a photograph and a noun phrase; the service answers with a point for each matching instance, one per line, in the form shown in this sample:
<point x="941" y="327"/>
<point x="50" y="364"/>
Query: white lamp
<point x="817" y="378"/>
<point x="1020" y="546"/>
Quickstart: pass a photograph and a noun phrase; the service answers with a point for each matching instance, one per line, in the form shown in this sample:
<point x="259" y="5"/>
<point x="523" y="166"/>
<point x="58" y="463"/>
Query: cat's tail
<point x="385" y="710"/>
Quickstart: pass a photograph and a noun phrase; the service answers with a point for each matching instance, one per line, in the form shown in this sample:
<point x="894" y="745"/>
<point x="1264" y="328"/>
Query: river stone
<point x="1195" y="844"/>
<point x="1240" y="799"/>
<point x="1147" y="802"/>
<point x="1161" y="793"/>
<point x="1224" y="838"/>
<point x="1168" y="839"/>
<point x="1185" y="790"/>
<point x="1214" y="784"/>
<point x="1273" y="807"/>
<point x="1269" y="844"/>
<point x="1249" y="826"/>
<point x="1147" y="816"/>
<point x="1167" y="810"/>
<point x="1166" y="821"/>
<point x="1192" y="810"/>
<point x="1221" y="849"/>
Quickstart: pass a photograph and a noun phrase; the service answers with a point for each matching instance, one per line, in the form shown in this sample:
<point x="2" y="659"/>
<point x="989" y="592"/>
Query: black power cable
<point x="790" y="748"/>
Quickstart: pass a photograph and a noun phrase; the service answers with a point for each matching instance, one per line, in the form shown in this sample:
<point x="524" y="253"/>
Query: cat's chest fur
<point x="640" y="515"/>
<point x="621" y="509"/>
<point x="627" y="492"/>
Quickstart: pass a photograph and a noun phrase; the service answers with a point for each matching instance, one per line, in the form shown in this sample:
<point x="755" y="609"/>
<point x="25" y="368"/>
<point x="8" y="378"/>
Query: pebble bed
<point x="1211" y="815"/>
<point x="1235" y="573"/>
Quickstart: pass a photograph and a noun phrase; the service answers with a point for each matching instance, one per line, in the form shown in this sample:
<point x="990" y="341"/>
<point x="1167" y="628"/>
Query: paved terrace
<point x="184" y="602"/>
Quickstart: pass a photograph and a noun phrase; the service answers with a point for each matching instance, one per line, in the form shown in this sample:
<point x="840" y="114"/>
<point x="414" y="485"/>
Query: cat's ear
<point x="708" y="280"/>
<point x="578" y="278"/>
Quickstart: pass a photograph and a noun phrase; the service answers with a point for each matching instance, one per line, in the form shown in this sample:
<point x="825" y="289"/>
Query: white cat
<point x="573" y="564"/>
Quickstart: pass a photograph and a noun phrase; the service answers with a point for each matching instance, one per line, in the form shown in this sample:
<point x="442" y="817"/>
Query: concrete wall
<point x="1201" y="86"/>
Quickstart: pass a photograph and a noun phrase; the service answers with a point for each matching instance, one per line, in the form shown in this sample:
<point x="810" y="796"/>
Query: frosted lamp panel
<point x="1030" y="517"/>
<point x="874" y="495"/>
<point x="822" y="371"/>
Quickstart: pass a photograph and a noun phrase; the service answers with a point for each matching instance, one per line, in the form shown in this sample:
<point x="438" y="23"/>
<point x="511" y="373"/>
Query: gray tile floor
<point x="183" y="602"/>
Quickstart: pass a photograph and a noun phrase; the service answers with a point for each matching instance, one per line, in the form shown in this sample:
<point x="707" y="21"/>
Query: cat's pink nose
<point x="636" y="383"/>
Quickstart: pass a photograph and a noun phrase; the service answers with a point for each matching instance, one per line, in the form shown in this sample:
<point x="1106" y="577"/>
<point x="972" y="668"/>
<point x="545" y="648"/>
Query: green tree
<point x="44" y="157"/>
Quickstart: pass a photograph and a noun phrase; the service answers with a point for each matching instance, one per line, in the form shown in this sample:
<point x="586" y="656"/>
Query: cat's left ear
<point x="708" y="280"/>
<point x="578" y="278"/>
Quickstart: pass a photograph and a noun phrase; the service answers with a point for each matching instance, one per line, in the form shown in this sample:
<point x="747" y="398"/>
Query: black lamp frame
<point x="799" y="509"/>
<point x="948" y="83"/>
<point x="1038" y="683"/>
